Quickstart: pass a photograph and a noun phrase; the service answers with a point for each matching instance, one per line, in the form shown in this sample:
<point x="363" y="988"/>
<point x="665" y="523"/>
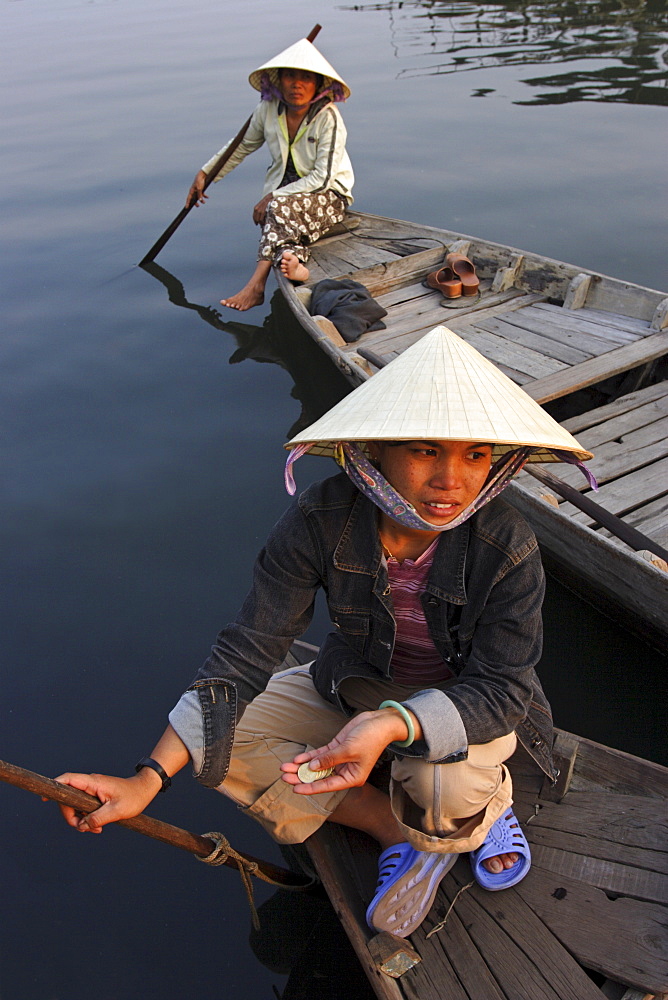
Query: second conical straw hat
<point x="302" y="55"/>
<point x="441" y="389"/>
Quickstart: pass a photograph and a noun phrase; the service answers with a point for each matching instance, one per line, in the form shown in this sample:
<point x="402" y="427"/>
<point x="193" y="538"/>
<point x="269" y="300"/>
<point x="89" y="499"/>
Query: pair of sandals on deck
<point x="408" y="878"/>
<point x="457" y="277"/>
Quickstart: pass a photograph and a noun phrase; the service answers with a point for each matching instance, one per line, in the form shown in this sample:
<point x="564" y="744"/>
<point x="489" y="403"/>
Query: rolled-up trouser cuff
<point x="467" y="835"/>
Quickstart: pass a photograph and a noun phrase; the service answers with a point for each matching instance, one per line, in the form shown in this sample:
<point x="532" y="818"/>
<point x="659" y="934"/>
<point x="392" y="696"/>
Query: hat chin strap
<point x="371" y="482"/>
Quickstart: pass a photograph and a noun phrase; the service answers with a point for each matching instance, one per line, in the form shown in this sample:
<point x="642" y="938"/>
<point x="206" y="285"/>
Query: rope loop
<point x="219" y="855"/>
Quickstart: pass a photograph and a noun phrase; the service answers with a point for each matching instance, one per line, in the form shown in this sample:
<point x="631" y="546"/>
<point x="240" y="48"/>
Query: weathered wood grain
<point x="524" y="957"/>
<point x="570" y="327"/>
<point x="623" y="297"/>
<point x="470" y="967"/>
<point x="628" y="492"/>
<point x="627" y="452"/>
<point x="651" y="518"/>
<point x="503" y="327"/>
<point x="406" y="293"/>
<point x="618" y="819"/>
<point x="642" y="425"/>
<point x="615" y="771"/>
<point x="630" y="401"/>
<point x="360" y="254"/>
<point x="622" y="938"/>
<point x="578" y="289"/>
<point x="591" y="846"/>
<point x="513" y="355"/>
<point x="608" y="325"/>
<point x="331" y="853"/>
<point x="597" y="369"/>
<point x="326" y="265"/>
<point x="383" y="277"/>
<point x="622" y="579"/>
<point x="611" y="876"/>
<point x="506" y="277"/>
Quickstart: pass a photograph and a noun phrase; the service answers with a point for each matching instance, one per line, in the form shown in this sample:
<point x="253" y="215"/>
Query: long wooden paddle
<point x="634" y="538"/>
<point x="201" y="846"/>
<point x="213" y="173"/>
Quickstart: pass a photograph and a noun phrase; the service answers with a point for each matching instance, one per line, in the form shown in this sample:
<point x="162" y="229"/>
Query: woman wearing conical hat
<point x="434" y="588"/>
<point x="309" y="181"/>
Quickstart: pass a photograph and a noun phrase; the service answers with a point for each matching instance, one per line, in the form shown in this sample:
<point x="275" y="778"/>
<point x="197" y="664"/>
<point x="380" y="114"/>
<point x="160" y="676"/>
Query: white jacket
<point x="318" y="151"/>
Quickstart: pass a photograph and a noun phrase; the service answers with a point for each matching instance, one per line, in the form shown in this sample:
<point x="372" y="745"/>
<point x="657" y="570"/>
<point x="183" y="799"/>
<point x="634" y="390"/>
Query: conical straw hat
<point x="302" y="55"/>
<point x="441" y="389"/>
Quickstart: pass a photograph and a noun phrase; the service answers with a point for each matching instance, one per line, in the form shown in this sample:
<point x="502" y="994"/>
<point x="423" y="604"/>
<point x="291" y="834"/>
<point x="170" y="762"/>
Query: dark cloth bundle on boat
<point x="348" y="305"/>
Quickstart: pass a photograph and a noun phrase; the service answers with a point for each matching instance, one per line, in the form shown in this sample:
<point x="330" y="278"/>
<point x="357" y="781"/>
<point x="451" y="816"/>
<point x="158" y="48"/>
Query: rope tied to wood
<point x="219" y="855"/>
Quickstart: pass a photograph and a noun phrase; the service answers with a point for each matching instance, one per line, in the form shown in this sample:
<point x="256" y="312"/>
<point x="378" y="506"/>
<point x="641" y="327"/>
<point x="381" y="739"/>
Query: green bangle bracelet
<point x="407" y="719"/>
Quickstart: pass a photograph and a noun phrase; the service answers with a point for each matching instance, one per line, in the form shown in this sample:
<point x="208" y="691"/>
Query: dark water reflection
<point x="604" y="51"/>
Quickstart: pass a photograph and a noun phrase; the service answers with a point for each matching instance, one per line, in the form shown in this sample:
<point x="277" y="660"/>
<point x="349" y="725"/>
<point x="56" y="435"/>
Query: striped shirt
<point x="415" y="659"/>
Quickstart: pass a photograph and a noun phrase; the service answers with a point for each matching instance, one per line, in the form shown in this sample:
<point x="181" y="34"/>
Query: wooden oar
<point x="155" y="828"/>
<point x="213" y="173"/>
<point x="634" y="538"/>
<point x="604" y="517"/>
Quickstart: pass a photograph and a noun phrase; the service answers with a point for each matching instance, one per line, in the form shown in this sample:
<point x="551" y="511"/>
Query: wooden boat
<point x="594" y="899"/>
<point x="587" y="346"/>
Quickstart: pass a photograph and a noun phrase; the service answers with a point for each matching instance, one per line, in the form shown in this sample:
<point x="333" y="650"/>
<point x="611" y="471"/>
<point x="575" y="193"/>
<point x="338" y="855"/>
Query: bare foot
<point x="497" y="864"/>
<point x="249" y="296"/>
<point x="292" y="267"/>
<point x="252" y="294"/>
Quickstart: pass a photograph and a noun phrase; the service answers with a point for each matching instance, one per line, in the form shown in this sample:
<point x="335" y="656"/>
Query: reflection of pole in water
<point x="177" y="295"/>
<point x="279" y="341"/>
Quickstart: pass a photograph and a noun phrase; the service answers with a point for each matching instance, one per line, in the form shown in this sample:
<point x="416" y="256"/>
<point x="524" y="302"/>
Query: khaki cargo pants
<point x="440" y="807"/>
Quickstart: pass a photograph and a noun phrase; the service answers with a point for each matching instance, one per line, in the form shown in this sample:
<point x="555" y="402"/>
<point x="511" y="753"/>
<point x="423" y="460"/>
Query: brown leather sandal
<point x="445" y="281"/>
<point x="465" y="271"/>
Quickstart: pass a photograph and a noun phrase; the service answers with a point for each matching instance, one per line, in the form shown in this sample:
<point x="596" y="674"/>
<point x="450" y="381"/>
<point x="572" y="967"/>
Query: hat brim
<point x="441" y="389"/>
<point x="302" y="55"/>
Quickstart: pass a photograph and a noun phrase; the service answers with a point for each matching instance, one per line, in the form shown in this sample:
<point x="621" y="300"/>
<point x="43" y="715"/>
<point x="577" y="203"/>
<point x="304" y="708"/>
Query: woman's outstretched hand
<point x="353" y="753"/>
<point x="122" y="798"/>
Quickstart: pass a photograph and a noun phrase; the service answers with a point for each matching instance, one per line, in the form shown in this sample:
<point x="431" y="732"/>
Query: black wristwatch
<point x="158" y="768"/>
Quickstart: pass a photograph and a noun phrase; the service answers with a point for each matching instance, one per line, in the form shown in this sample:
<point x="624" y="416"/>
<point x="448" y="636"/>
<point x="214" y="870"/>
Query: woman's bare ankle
<point x="293" y="268"/>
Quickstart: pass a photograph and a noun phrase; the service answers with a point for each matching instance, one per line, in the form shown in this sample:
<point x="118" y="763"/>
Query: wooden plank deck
<point x="549" y="349"/>
<point x="594" y="899"/>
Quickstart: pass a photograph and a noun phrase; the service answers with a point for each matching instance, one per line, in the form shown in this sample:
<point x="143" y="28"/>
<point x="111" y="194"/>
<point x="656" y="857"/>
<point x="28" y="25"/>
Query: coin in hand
<point x="306" y="775"/>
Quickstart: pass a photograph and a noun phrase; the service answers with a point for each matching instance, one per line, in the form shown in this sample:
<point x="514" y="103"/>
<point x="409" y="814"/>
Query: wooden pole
<point x="604" y="517"/>
<point x="213" y="173"/>
<point x="155" y="828"/>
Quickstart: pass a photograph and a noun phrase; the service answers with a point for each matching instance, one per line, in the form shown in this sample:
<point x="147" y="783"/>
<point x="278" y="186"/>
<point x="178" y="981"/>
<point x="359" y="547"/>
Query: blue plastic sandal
<point x="407" y="883"/>
<point x="505" y="837"/>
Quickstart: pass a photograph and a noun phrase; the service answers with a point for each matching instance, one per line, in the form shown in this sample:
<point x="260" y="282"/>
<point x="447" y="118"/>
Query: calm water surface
<point x="141" y="442"/>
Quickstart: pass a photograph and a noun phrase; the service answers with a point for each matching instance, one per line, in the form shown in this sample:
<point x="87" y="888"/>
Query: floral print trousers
<point x="294" y="221"/>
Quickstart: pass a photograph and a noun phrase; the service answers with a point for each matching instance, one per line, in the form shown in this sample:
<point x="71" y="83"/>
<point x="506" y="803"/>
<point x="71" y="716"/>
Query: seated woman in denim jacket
<point x="434" y="587"/>
<point x="309" y="181"/>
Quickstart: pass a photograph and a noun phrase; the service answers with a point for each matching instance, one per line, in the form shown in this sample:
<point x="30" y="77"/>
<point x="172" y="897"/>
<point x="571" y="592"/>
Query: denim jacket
<point x="482" y="604"/>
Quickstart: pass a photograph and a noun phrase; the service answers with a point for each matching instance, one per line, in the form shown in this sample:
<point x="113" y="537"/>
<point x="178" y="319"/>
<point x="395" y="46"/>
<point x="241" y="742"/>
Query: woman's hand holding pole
<point x="124" y="798"/>
<point x="196" y="195"/>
